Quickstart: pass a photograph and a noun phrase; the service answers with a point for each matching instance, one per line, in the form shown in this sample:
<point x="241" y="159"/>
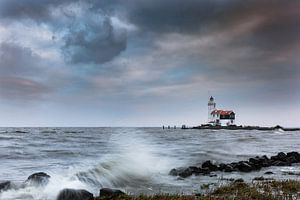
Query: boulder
<point x="185" y="173"/>
<point x="269" y="172"/>
<point x="294" y="154"/>
<point x="72" y="194"/>
<point x="173" y="172"/>
<point x="240" y="180"/>
<point x="291" y="159"/>
<point x="279" y="157"/>
<point x="281" y="163"/>
<point x="205" y="171"/>
<point x="108" y="192"/>
<point x="222" y="167"/>
<point x="244" y="167"/>
<point x="39" y="178"/>
<point x="208" y="164"/>
<point x="195" y="170"/>
<point x="226" y="167"/>
<point x="6" y="185"/>
<point x="229" y="168"/>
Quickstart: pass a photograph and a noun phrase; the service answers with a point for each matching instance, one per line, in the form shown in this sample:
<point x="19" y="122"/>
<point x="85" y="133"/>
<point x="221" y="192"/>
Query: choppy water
<point x="136" y="160"/>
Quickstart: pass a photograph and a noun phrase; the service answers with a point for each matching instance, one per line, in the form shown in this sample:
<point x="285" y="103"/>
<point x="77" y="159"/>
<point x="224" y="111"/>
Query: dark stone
<point x="185" y="173"/>
<point x="229" y="169"/>
<point x="71" y="194"/>
<point x="281" y="163"/>
<point x="269" y="172"/>
<point x="209" y="165"/>
<point x="39" y="178"/>
<point x="244" y="167"/>
<point x="205" y="171"/>
<point x="279" y="157"/>
<point x="291" y="159"/>
<point x="240" y="180"/>
<point x="264" y="158"/>
<point x="234" y="165"/>
<point x="278" y="127"/>
<point x="226" y="167"/>
<point x="173" y="172"/>
<point x="255" y="161"/>
<point x="294" y="154"/>
<point x="6" y="185"/>
<point x="108" y="192"/>
<point x="195" y="170"/>
<point x="222" y="166"/>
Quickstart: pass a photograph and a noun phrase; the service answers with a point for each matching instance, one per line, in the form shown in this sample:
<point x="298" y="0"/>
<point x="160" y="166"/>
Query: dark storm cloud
<point x="36" y="10"/>
<point x="88" y="33"/>
<point x="18" y="68"/>
<point x="279" y="19"/>
<point x="91" y="41"/>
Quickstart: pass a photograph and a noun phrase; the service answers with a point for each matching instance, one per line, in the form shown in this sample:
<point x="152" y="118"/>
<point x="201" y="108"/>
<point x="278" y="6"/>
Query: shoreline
<point x="259" y="189"/>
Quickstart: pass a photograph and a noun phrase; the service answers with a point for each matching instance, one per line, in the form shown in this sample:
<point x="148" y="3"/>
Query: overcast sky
<point x="148" y="62"/>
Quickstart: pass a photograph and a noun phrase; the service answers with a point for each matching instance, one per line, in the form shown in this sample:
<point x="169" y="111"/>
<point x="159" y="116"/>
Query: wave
<point x="134" y="163"/>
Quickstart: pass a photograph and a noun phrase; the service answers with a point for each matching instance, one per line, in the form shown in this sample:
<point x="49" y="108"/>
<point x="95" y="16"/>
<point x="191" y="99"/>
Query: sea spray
<point x="133" y="161"/>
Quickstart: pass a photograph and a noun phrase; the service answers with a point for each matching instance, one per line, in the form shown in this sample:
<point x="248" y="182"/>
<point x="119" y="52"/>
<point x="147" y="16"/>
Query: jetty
<point x="235" y="127"/>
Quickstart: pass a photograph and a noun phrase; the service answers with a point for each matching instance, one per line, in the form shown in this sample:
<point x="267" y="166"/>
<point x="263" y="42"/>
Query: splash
<point x="132" y="163"/>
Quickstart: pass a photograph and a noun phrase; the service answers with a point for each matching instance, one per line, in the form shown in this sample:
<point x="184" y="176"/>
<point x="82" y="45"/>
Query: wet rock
<point x="281" y="163"/>
<point x="222" y="167"/>
<point x="291" y="159"/>
<point x="6" y="185"/>
<point x="195" y="170"/>
<point x="226" y="167"/>
<point x="229" y="168"/>
<point x="234" y="165"/>
<point x="244" y="167"/>
<point x="240" y="180"/>
<point x="257" y="165"/>
<point x="185" y="173"/>
<point x="72" y="194"/>
<point x="269" y="172"/>
<point x="205" y="171"/>
<point x="108" y="192"/>
<point x="173" y="172"/>
<point x="39" y="178"/>
<point x="294" y="154"/>
<point x="279" y="157"/>
<point x="208" y="164"/>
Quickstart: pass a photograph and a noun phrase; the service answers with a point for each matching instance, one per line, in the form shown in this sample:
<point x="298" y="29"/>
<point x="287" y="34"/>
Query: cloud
<point x="16" y="60"/>
<point x="87" y="35"/>
<point x="22" y="89"/>
<point x="93" y="39"/>
<point x="19" y="73"/>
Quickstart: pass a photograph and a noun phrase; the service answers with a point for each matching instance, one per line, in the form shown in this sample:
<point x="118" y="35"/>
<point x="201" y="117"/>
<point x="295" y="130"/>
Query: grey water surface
<point x="136" y="160"/>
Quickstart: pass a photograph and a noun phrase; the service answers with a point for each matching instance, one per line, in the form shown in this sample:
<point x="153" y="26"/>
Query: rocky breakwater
<point x="253" y="164"/>
<point x="41" y="179"/>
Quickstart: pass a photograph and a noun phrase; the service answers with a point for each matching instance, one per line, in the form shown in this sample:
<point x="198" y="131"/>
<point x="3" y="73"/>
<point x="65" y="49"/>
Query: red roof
<point x="222" y="112"/>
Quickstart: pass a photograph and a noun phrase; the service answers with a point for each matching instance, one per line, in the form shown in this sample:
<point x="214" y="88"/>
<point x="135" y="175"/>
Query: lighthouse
<point x="211" y="107"/>
<point x="217" y="117"/>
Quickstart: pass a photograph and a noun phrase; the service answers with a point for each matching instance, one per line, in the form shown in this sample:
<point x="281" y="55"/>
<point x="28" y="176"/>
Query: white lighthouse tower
<point x="211" y="107"/>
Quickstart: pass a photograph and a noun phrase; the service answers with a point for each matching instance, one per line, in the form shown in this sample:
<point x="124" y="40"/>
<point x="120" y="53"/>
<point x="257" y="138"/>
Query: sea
<point x="134" y="160"/>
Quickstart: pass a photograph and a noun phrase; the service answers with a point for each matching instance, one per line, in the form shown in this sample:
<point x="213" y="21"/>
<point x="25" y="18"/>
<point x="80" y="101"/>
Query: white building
<point x="219" y="117"/>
